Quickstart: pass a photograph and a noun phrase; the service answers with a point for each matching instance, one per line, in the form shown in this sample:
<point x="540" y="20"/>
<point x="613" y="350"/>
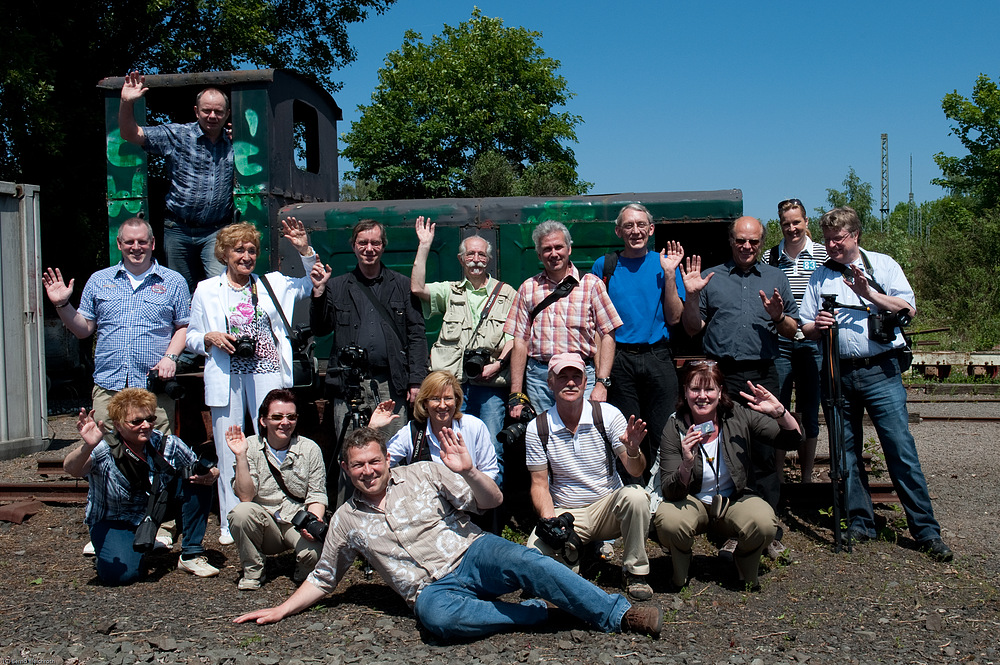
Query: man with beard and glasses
<point x="473" y="310"/>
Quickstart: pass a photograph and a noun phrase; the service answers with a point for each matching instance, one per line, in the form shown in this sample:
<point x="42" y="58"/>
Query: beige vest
<point x="456" y="332"/>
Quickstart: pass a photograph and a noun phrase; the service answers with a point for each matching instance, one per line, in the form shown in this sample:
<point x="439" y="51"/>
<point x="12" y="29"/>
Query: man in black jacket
<point x="369" y="308"/>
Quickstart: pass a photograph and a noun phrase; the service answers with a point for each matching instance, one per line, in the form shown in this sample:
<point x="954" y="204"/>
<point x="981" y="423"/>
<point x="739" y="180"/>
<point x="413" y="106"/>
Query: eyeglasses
<point x="278" y="417"/>
<point x="441" y="400"/>
<point x="369" y="243"/>
<point x="640" y="226"/>
<point x="838" y="240"/>
<point x="739" y="242"/>
<point x="136" y="422"/>
<point x="701" y="363"/>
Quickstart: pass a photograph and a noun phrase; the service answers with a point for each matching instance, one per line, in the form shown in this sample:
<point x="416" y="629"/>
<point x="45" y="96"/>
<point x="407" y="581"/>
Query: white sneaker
<point x="225" y="538"/>
<point x="88" y="549"/>
<point x="248" y="584"/>
<point x="163" y="543"/>
<point x="199" y="566"/>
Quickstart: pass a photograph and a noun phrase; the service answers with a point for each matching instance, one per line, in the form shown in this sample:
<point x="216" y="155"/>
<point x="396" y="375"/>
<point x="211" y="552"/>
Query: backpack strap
<point x="610" y="263"/>
<point x="775" y="256"/>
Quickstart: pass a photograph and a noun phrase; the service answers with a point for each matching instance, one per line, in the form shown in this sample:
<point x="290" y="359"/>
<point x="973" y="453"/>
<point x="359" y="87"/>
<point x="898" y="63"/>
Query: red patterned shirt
<point x="569" y="324"/>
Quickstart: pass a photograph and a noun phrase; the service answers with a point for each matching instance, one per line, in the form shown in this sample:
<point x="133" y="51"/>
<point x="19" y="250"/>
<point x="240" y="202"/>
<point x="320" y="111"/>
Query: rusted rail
<point x="55" y="492"/>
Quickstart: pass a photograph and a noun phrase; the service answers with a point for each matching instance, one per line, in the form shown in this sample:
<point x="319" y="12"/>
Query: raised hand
<point x="236" y="441"/>
<point x="761" y="400"/>
<point x="91" y="432"/>
<point x="425" y="231"/>
<point x="634" y="433"/>
<point x="454" y="454"/>
<point x="134" y="87"/>
<point x="295" y="232"/>
<point x="671" y="256"/>
<point x="320" y="275"/>
<point x="383" y="414"/>
<point x="693" y="281"/>
<point x="774" y="306"/>
<point x="55" y="288"/>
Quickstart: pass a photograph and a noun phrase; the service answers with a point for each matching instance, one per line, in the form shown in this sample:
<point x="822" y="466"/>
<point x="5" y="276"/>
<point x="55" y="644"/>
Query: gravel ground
<point x="884" y="602"/>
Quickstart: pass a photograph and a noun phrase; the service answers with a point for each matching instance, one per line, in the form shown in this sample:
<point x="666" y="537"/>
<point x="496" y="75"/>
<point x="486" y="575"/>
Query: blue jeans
<point x="463" y="604"/>
<point x="879" y="389"/>
<point x="536" y="384"/>
<point x="191" y="251"/>
<point x="117" y="563"/>
<point x="800" y="362"/>
<point x="489" y="405"/>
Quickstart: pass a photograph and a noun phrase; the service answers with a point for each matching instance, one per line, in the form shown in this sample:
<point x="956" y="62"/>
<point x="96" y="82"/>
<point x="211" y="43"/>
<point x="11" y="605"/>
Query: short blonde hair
<point x="434" y="385"/>
<point x="128" y="400"/>
<point x="233" y="235"/>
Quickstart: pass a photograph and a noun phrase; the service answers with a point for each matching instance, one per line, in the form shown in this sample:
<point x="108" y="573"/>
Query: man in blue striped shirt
<point x="200" y="166"/>
<point x="140" y="312"/>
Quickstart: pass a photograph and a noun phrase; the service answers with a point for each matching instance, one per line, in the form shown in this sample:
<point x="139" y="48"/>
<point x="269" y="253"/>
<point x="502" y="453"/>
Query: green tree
<point x="476" y="88"/>
<point x="51" y="116"/>
<point x="977" y="126"/>
<point x="856" y="194"/>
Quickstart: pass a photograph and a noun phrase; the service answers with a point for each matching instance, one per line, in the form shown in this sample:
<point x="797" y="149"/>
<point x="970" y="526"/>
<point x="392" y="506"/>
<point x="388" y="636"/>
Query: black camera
<point x="515" y="431"/>
<point x="314" y="526"/>
<point x="882" y="325"/>
<point x="246" y="346"/>
<point x="198" y="468"/>
<point x="354" y="364"/>
<point x="170" y="387"/>
<point x="474" y="360"/>
<point x="299" y="337"/>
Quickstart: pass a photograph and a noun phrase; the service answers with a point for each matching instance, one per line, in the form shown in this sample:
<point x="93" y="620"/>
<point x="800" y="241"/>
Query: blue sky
<point x="777" y="99"/>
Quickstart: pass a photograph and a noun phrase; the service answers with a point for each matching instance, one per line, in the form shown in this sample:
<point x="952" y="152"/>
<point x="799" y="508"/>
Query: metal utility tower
<point x="911" y="209"/>
<point x="885" y="180"/>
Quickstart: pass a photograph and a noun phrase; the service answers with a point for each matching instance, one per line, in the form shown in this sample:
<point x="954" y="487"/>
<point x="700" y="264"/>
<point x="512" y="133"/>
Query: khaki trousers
<point x="622" y="514"/>
<point x="750" y="520"/>
<point x="256" y="533"/>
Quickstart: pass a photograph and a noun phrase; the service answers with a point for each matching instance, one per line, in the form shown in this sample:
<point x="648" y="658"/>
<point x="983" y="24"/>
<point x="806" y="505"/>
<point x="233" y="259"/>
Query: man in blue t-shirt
<point x="643" y="380"/>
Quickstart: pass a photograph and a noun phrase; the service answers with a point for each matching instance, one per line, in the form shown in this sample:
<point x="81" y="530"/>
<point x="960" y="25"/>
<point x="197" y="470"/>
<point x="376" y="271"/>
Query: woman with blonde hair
<point x="437" y="414"/>
<point x="235" y="322"/>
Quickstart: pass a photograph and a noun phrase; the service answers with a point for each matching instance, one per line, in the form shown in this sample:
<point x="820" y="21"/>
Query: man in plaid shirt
<point x="583" y="322"/>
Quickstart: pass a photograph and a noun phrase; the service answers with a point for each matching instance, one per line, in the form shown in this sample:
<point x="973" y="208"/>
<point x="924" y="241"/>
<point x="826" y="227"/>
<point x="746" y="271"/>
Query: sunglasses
<point x="790" y="203"/>
<point x="136" y="422"/>
<point x="278" y="417"/>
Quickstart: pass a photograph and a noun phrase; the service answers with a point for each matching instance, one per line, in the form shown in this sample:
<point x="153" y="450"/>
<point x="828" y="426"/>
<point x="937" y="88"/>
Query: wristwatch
<point x="606" y="381"/>
<point x="172" y="356"/>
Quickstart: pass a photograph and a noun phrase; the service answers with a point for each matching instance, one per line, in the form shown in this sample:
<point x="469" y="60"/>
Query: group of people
<point x="618" y="442"/>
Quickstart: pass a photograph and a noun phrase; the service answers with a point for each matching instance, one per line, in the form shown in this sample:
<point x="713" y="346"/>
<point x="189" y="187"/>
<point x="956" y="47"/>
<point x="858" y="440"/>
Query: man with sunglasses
<point x="742" y="306"/>
<point x="277" y="475"/>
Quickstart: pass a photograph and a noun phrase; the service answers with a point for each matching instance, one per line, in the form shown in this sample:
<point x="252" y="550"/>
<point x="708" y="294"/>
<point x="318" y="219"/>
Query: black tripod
<point x="833" y="406"/>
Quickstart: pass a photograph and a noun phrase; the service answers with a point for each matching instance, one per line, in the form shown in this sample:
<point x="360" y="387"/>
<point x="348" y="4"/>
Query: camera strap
<point x="844" y="270"/>
<point x="277" y="305"/>
<point x="276" y="474"/>
<point x="382" y="311"/>
<point x="421" y="451"/>
<point x="486" y="310"/>
<point x="560" y="292"/>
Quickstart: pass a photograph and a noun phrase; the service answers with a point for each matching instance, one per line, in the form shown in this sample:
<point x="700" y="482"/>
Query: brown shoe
<point x="647" y="619"/>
